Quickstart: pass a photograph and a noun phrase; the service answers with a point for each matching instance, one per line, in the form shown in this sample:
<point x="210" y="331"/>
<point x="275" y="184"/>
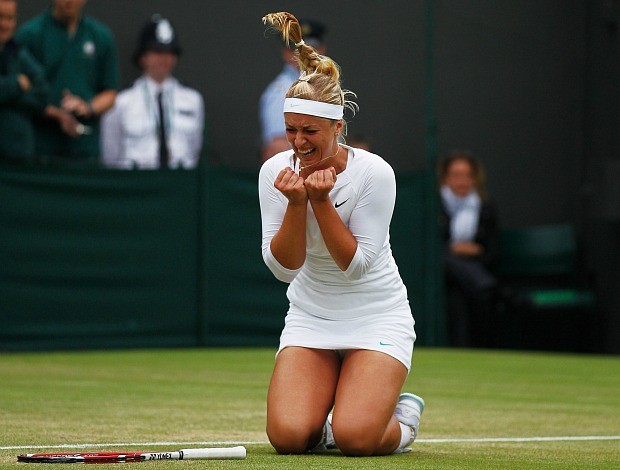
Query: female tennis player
<point x="348" y="336"/>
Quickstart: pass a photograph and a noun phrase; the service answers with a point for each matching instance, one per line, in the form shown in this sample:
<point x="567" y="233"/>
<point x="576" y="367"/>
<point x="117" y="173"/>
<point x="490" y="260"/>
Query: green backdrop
<point x="93" y="258"/>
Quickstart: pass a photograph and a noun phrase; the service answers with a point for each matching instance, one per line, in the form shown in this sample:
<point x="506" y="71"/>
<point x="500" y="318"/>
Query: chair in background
<point x="548" y="298"/>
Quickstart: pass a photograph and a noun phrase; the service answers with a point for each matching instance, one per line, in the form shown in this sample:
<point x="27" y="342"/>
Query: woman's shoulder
<point x="281" y="157"/>
<point x="367" y="157"/>
<point x="277" y="163"/>
<point x="367" y="162"/>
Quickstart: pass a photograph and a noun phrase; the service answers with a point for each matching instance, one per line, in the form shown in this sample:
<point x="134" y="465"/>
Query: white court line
<point x="227" y="443"/>
<point x="520" y="439"/>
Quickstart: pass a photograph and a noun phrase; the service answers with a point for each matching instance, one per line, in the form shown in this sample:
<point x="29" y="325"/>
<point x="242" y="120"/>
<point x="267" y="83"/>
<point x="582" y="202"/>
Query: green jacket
<point x="85" y="63"/>
<point x="18" y="108"/>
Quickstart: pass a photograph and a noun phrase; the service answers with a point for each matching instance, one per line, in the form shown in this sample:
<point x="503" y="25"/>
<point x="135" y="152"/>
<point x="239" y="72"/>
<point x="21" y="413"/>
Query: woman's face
<point x="312" y="138"/>
<point x="460" y="177"/>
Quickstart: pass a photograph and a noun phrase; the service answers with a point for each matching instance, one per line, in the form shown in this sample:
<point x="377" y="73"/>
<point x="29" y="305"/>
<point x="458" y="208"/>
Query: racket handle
<point x="238" y="452"/>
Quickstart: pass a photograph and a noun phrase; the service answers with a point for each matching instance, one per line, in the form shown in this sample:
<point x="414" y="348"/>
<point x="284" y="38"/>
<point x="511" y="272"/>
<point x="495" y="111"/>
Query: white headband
<point x="313" y="108"/>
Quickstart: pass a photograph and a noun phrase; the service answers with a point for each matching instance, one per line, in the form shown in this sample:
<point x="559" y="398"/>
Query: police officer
<point x="80" y="60"/>
<point x="157" y="122"/>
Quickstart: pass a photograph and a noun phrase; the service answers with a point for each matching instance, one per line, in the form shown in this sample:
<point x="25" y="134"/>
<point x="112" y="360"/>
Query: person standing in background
<point x="79" y="56"/>
<point x="158" y="122"/>
<point x="272" y="100"/>
<point x="23" y="90"/>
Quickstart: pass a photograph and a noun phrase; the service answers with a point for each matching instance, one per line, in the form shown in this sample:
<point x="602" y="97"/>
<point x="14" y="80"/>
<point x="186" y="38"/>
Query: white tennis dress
<point x="364" y="307"/>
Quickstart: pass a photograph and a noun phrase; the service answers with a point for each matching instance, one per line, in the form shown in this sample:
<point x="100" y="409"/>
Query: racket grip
<point x="238" y="452"/>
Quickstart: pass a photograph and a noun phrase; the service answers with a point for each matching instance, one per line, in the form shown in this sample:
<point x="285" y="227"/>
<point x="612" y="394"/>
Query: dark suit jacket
<point x="487" y="234"/>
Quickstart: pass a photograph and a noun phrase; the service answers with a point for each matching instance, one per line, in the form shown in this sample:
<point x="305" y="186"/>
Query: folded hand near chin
<point x="292" y="186"/>
<point x="320" y="183"/>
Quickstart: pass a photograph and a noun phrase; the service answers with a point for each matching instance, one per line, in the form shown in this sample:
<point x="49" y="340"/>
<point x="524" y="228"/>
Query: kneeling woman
<point x="348" y="337"/>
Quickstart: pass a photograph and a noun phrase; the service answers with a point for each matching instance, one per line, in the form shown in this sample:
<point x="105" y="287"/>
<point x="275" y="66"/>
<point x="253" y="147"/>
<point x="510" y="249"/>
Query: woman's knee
<point x="289" y="438"/>
<point x="357" y="441"/>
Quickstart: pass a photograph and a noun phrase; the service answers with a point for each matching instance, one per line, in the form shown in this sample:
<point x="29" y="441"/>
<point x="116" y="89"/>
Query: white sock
<point x="406" y="435"/>
<point x="328" y="434"/>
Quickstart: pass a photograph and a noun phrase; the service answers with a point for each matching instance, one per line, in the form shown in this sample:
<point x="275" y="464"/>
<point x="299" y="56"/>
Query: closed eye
<point x="304" y="130"/>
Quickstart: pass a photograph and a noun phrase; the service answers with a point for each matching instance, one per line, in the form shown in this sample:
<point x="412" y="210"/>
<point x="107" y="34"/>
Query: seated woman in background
<point x="470" y="232"/>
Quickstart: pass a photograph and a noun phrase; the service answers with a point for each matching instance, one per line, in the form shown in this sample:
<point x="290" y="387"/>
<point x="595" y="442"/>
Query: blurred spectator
<point x="23" y="90"/>
<point x="79" y="56"/>
<point x="272" y="100"/>
<point x="470" y="232"/>
<point x="157" y="122"/>
<point x="358" y="141"/>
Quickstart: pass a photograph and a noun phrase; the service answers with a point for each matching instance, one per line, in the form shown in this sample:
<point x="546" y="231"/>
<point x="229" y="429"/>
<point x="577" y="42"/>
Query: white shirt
<point x="129" y="135"/>
<point x="364" y="196"/>
<point x="464" y="212"/>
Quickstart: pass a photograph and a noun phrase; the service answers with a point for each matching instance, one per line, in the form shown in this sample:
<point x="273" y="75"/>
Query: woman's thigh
<point x="368" y="389"/>
<point x="301" y="394"/>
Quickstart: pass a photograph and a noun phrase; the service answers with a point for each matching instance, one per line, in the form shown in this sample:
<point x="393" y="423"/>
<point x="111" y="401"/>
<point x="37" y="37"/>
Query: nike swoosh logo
<point x="381" y="343"/>
<point x="338" y="205"/>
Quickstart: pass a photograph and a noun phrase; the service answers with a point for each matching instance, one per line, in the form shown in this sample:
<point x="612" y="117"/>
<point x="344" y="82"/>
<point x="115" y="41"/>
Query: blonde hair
<point x="319" y="78"/>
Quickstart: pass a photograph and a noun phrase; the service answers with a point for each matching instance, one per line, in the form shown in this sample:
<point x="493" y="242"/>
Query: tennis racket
<point x="212" y="453"/>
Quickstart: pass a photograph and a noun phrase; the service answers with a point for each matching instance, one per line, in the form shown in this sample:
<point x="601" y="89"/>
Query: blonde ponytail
<point x="319" y="78"/>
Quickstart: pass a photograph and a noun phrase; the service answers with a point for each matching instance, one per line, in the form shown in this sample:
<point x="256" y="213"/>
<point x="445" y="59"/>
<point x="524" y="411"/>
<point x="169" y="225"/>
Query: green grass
<point x="215" y="395"/>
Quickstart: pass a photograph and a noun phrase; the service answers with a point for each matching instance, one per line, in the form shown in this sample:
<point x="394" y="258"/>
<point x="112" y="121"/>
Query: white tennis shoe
<point x="408" y="412"/>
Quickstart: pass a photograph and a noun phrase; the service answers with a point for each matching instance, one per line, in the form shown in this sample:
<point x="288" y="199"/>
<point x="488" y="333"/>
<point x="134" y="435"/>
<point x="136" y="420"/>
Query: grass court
<point x="484" y="409"/>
